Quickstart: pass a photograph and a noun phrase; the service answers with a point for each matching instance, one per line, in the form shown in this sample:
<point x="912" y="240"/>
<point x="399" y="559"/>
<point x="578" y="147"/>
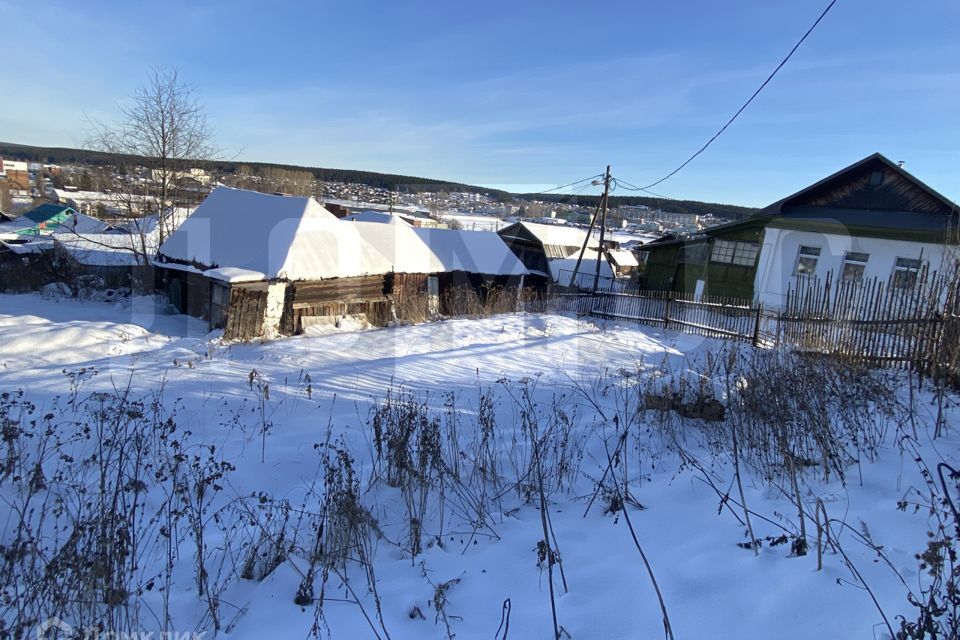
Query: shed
<point x="623" y="262"/>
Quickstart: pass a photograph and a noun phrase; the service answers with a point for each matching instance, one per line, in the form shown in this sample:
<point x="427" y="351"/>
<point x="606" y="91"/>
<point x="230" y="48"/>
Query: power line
<point x="745" y="104"/>
<point x="632" y="187"/>
<point x="567" y="197"/>
<point x="599" y="175"/>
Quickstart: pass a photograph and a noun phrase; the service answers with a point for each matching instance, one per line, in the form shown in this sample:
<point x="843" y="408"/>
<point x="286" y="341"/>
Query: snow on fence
<point x="712" y="317"/>
<point x="904" y="323"/>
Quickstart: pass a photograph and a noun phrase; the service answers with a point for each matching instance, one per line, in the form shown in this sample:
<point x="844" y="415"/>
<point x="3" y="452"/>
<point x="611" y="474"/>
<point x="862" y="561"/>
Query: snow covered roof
<point x="108" y="249"/>
<point x="22" y="246"/>
<point x="376" y="216"/>
<point x="623" y="258"/>
<point x="232" y="274"/>
<point x="557" y="234"/>
<point x="481" y="252"/>
<point x="400" y="245"/>
<point x="279" y="236"/>
<point x="330" y="249"/>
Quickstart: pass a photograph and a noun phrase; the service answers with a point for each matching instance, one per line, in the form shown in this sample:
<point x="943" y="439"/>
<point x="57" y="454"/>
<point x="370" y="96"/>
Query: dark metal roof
<point x="872" y="184"/>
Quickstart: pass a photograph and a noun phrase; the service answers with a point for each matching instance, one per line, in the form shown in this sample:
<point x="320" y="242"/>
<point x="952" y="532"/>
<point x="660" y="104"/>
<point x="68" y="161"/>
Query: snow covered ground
<point x="321" y="388"/>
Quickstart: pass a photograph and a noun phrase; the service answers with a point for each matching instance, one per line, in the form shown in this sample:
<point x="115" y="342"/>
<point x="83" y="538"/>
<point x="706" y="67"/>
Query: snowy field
<point x="280" y="413"/>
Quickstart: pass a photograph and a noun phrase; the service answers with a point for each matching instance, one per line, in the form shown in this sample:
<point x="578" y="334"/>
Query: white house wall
<point x="781" y="247"/>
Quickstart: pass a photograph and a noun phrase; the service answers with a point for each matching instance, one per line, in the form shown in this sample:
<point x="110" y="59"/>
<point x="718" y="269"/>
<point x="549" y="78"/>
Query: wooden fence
<point x="873" y="321"/>
<point x="712" y="317"/>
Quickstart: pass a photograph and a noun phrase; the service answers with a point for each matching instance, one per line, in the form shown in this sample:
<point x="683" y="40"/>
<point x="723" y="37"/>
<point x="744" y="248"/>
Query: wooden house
<point x="431" y="265"/>
<point x="255" y="264"/>
<point x="623" y="262"/>
<point x="115" y="259"/>
<point x="871" y="219"/>
<point x="720" y="261"/>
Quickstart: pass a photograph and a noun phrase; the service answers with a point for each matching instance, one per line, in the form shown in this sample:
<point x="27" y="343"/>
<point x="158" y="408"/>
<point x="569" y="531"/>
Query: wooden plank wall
<point x="245" y="311"/>
<point x="194" y="291"/>
<point x="408" y="293"/>
<point x="340" y="296"/>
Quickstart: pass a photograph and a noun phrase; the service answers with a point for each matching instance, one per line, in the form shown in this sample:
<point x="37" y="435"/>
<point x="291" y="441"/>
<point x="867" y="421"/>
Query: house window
<point x="735" y="252"/>
<point x="854" y="264"/>
<point x="692" y="254"/>
<point x="905" y="273"/>
<point x="807" y="261"/>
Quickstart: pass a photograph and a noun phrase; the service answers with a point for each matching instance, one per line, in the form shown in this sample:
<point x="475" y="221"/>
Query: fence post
<point x="666" y="311"/>
<point x="756" y="326"/>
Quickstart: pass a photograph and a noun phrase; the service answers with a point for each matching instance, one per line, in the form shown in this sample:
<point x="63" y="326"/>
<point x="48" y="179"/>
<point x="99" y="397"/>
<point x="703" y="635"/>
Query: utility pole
<point x="601" y="206"/>
<point x="603" y="227"/>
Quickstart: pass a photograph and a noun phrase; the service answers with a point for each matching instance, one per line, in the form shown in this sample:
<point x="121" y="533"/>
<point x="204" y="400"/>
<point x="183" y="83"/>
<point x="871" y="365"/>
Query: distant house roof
<point x="549" y="235"/>
<point x="376" y="216"/>
<point x="50" y="218"/>
<point x="482" y="252"/>
<point x="281" y="237"/>
<point x="35" y="230"/>
<point x="623" y="258"/>
<point x="411" y="211"/>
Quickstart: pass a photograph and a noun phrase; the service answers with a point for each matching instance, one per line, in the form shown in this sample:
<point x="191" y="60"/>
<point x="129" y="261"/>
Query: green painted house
<point x="720" y="261"/>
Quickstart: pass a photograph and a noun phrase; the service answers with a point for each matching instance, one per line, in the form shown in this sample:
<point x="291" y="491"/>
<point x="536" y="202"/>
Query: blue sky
<point x="515" y="93"/>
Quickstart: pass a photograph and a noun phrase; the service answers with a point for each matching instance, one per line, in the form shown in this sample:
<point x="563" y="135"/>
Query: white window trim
<point x="801" y="254"/>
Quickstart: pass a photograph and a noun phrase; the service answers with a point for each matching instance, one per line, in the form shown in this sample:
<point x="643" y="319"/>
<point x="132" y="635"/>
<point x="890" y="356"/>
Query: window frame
<point x="736" y="253"/>
<point x="693" y="254"/>
<point x="854" y="259"/>
<point x="805" y="252"/>
<point x="912" y="269"/>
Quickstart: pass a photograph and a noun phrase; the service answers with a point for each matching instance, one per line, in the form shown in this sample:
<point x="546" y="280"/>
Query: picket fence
<point x="872" y="321"/>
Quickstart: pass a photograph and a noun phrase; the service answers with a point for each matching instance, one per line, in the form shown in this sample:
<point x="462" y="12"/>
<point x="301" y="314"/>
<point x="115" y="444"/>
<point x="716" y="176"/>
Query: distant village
<point x="93" y="190"/>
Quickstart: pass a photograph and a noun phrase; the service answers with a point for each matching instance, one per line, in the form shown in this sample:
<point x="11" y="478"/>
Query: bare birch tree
<point x="165" y="129"/>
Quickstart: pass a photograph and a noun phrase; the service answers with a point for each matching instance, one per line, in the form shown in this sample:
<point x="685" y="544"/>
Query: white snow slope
<point x="711" y="587"/>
